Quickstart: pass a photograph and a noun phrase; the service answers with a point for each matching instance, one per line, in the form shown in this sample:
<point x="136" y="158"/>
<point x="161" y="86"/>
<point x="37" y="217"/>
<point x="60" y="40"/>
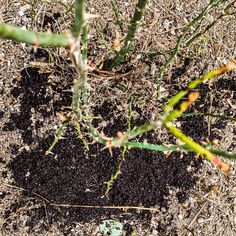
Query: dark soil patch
<point x="35" y="92"/>
<point x="74" y="176"/>
<point x="32" y="89"/>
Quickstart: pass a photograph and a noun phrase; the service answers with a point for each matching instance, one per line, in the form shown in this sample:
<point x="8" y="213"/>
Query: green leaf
<point x="111" y="227"/>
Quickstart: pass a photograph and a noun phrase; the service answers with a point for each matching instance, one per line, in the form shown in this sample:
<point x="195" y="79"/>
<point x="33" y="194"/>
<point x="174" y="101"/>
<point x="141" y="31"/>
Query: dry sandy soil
<point x="190" y="196"/>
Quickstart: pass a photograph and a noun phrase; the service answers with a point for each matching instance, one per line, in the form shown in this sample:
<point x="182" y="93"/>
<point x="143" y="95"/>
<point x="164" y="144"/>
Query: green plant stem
<point x="79" y="58"/>
<point x="81" y="137"/>
<point x="173" y="148"/>
<point x="183" y="106"/>
<point x="84" y="41"/>
<point x="212" y="4"/>
<point x="208" y="27"/>
<point x="79" y="17"/>
<point x="189" y="142"/>
<point x="173" y="101"/>
<point x="117" y="14"/>
<point x="168" y="114"/>
<point x="159" y="148"/>
<point x="84" y="51"/>
<point x="115" y="175"/>
<point x="30" y="37"/>
<point x="59" y="134"/>
<point x="227" y="155"/>
<point x="134" y="133"/>
<point x="119" y="142"/>
<point x="129" y="116"/>
<point x="196" y="147"/>
<point x="232" y="118"/>
<point x="139" y="10"/>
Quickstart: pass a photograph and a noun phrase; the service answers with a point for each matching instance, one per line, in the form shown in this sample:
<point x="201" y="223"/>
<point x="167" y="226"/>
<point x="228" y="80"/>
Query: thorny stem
<point x="115" y="175"/>
<point x="81" y="136"/>
<point x="59" y="135"/>
<point x="169" y="115"/>
<point x="196" y="147"/>
<point x="208" y="27"/>
<point x="79" y="18"/>
<point x="231" y="118"/>
<point x="139" y="10"/>
<point x="212" y="4"/>
<point x="172" y="148"/>
<point x="79" y="57"/>
<point x="84" y="51"/>
<point x="33" y="38"/>
<point x="117" y="14"/>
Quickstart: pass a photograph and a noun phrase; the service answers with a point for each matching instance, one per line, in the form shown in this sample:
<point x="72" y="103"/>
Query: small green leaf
<point x="111" y="227"/>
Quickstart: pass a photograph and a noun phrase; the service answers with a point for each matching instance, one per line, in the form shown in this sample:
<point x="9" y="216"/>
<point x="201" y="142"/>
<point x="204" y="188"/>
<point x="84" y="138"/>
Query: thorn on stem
<point x="36" y="43"/>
